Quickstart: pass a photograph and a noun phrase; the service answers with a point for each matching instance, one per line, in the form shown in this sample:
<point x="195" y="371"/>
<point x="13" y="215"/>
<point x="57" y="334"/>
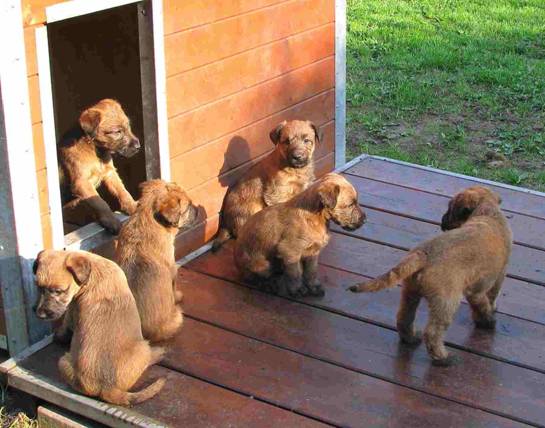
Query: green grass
<point x="450" y="83"/>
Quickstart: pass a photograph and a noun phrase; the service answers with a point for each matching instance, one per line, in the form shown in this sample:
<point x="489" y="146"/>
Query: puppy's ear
<point x="79" y="266"/>
<point x="317" y="133"/>
<point x="167" y="209"/>
<point x="89" y="121"/>
<point x="328" y="194"/>
<point x="275" y="132"/>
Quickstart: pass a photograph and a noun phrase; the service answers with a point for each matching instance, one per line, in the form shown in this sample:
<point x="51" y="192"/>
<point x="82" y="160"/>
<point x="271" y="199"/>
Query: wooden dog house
<point x="203" y="82"/>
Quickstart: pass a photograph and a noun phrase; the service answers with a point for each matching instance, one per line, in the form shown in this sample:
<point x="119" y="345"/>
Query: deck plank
<point x="406" y="233"/>
<point x="330" y="393"/>
<point x="478" y="381"/>
<point x="515" y="340"/>
<point x="186" y="401"/>
<point x="430" y="208"/>
<point x="434" y="181"/>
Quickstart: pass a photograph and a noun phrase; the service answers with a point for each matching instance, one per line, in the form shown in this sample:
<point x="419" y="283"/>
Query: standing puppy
<point x="107" y="353"/>
<point x="281" y="175"/>
<point x="287" y="238"/>
<point x="468" y="260"/>
<point x="86" y="161"/>
<point x="145" y="251"/>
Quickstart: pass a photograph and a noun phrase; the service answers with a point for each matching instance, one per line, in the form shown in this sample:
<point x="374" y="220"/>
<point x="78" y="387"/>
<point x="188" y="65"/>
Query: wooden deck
<point x="247" y="358"/>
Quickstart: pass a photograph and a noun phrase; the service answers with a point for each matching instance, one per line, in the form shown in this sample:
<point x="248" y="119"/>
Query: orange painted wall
<point x="234" y="70"/>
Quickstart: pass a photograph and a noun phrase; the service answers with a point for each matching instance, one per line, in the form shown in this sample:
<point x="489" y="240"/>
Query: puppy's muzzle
<point x="445" y="223"/>
<point x="130" y="149"/>
<point x="43" y="313"/>
<point x="360" y="220"/>
<point x="298" y="159"/>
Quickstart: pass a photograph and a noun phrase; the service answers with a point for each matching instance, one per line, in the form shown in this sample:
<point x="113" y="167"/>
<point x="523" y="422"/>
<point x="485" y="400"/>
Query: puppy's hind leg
<point x="441" y="313"/>
<point x="495" y="291"/>
<point x="481" y="309"/>
<point x="406" y="315"/>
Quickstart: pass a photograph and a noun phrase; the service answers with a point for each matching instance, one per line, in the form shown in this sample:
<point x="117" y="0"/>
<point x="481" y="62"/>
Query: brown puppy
<point x="287" y="238"/>
<point x="285" y="172"/>
<point x="468" y="260"/>
<point x="107" y="353"/>
<point x="145" y="251"/>
<point x="86" y="161"/>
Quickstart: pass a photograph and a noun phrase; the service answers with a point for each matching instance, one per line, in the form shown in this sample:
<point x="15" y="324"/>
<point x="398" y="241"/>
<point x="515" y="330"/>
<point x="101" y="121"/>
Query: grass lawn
<point x="453" y="84"/>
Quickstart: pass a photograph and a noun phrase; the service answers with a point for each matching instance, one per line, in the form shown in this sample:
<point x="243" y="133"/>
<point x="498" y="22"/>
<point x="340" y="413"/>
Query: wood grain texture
<point x="203" y="85"/>
<point x="208" y="43"/>
<point x="227" y="115"/>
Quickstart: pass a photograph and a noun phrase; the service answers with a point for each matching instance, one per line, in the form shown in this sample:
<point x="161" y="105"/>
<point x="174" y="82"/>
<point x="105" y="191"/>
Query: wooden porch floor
<point x="247" y="358"/>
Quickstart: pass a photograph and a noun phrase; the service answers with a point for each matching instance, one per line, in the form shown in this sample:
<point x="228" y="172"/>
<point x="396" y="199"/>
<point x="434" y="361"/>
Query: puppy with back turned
<point x="85" y="162"/>
<point x="282" y="174"/>
<point x="107" y="351"/>
<point x="145" y="252"/>
<point x="279" y="246"/>
<point x="469" y="260"/>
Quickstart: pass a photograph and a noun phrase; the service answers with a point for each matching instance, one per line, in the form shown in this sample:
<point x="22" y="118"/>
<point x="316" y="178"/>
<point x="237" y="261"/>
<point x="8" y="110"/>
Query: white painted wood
<point x="50" y="139"/>
<point x="340" y="83"/>
<point x="22" y="176"/>
<point x="73" y="8"/>
<point x="161" y="87"/>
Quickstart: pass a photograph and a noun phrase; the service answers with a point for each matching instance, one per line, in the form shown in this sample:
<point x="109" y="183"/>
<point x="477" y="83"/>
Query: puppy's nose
<point x="43" y="314"/>
<point x="298" y="156"/>
<point x="135" y="142"/>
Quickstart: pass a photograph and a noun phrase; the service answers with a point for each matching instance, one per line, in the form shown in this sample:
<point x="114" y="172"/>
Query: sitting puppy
<point x="107" y="353"/>
<point x="145" y="251"/>
<point x="285" y="172"/>
<point x="287" y="238"/>
<point x="85" y="160"/>
<point x="468" y="260"/>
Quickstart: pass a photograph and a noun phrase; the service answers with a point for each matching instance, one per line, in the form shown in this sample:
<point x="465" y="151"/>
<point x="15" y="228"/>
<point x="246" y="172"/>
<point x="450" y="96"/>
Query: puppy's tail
<point x="411" y="264"/>
<point x="221" y="238"/>
<point x="148" y="392"/>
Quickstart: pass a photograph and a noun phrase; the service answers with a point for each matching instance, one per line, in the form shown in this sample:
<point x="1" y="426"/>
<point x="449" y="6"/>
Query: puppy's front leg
<point x="291" y="279"/>
<point x="310" y="276"/>
<point x="63" y="333"/>
<point x="116" y="187"/>
<point x="86" y="192"/>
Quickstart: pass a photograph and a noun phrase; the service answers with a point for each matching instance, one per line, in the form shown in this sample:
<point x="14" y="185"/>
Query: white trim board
<point x="74" y="8"/>
<point x="150" y="18"/>
<point x="19" y="177"/>
<point x="340" y="83"/>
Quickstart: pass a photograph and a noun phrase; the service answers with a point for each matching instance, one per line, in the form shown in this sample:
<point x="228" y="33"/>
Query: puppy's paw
<point x="129" y="207"/>
<point x="63" y="338"/>
<point x="414" y="340"/>
<point x="486" y="323"/>
<point x="451" y="360"/>
<point x="298" y="291"/>
<point x="110" y="223"/>
<point x="316" y="290"/>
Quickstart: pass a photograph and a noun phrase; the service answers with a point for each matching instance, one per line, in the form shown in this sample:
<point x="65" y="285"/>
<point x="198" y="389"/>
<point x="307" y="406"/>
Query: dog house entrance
<point x="102" y="54"/>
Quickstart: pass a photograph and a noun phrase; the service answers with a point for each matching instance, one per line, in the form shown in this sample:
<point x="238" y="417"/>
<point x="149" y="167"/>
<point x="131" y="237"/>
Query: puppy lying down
<point x="286" y="239"/>
<point x="469" y="260"/>
<point x="107" y="352"/>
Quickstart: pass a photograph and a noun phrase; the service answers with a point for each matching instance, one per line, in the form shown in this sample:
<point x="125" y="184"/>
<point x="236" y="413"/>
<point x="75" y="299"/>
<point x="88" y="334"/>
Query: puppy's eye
<point x="55" y="291"/>
<point x="114" y="133"/>
<point x="307" y="141"/>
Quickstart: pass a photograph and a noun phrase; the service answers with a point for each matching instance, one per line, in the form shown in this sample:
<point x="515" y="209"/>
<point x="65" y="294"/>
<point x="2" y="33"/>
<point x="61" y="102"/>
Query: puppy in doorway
<point x="279" y="246"/>
<point x="107" y="352"/>
<point x="282" y="174"/>
<point x="145" y="252"/>
<point x="469" y="260"/>
<point x="85" y="162"/>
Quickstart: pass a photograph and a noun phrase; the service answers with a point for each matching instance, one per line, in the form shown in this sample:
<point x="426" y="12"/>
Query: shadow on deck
<point x="247" y="358"/>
